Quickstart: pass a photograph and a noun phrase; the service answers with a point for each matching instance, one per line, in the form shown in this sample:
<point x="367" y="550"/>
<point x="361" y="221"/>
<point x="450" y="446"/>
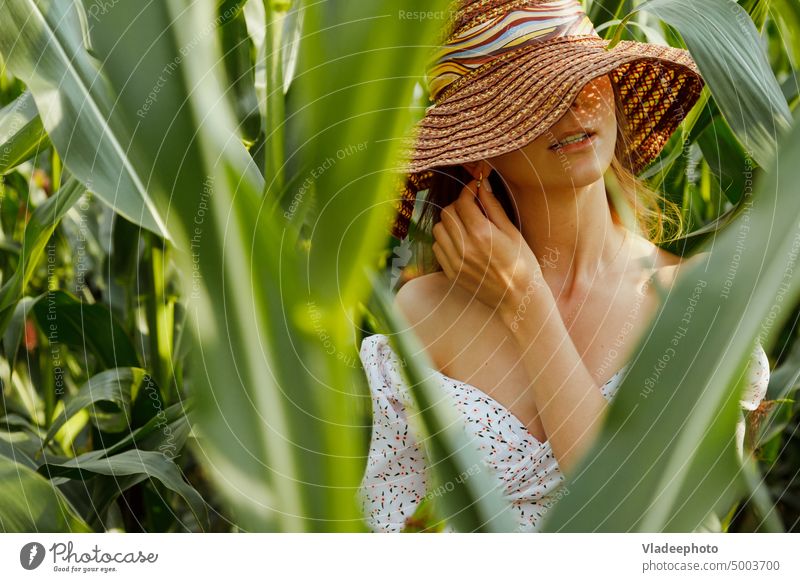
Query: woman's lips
<point x="575" y="142"/>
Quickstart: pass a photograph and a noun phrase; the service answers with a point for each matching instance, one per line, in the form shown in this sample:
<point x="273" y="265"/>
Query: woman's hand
<point x="487" y="255"/>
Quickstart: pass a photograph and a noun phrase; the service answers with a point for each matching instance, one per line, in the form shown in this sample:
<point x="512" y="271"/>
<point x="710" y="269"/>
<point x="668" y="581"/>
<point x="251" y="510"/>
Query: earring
<point x="480" y="179"/>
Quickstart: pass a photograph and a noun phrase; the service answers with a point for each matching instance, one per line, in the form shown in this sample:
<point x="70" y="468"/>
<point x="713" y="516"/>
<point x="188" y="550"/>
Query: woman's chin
<point x="585" y="172"/>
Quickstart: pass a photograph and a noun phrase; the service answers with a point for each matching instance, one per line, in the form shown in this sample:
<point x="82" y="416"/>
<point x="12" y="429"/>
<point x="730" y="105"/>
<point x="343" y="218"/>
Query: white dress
<point x="395" y="480"/>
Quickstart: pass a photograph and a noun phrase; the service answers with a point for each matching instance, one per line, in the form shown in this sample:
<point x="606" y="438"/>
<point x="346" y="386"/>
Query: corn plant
<point x="195" y="202"/>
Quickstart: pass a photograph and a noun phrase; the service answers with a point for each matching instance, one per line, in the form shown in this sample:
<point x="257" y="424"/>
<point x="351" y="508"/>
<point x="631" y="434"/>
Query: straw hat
<point x="507" y="70"/>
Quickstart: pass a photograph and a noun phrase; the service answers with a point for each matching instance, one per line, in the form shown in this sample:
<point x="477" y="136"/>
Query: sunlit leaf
<point x="21" y="132"/>
<point x="43" y="43"/>
<point x="726" y="46"/>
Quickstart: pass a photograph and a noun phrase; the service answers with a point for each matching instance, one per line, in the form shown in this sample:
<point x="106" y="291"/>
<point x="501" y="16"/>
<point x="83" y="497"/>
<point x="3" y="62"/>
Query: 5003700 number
<point x="755" y="565"/>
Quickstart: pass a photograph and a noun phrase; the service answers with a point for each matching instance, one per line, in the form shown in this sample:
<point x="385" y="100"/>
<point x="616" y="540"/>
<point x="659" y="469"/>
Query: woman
<point x="543" y="292"/>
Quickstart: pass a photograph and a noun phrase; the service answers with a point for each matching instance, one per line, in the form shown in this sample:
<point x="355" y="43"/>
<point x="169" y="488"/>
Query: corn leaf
<point x="727" y="48"/>
<point x="152" y="464"/>
<point x="118" y="387"/>
<point x="21" y="132"/>
<point x="43" y="43"/>
<point x="29" y="503"/>
<point x="38" y="230"/>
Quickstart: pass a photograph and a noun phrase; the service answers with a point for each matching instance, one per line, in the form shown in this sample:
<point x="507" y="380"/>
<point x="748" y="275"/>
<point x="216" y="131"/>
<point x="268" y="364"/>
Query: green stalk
<point x="47" y="379"/>
<point x="55" y="162"/>
<point x="273" y="110"/>
<point x="160" y="315"/>
<point x="603" y="11"/>
<point x="46" y="369"/>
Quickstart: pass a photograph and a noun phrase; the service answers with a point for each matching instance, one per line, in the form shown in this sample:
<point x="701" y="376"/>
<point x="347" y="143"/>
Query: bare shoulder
<point x="432" y="299"/>
<point x="422" y="296"/>
<point x="426" y="302"/>
<point x="442" y="315"/>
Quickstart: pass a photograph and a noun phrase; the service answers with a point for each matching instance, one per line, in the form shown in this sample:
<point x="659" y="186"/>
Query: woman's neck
<point x="571" y="232"/>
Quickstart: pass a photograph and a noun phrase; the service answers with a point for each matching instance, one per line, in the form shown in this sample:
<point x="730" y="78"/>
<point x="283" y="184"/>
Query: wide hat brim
<point x="510" y="101"/>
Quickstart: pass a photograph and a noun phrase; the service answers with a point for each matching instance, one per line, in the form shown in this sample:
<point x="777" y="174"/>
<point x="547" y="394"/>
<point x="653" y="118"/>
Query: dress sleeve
<point x="754" y="391"/>
<point x="395" y="479"/>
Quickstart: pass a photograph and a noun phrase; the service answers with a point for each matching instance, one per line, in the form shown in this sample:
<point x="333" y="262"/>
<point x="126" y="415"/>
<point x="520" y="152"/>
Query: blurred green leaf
<point x="29" y="503"/>
<point x="255" y="337"/>
<point x="118" y="387"/>
<point x="238" y="52"/>
<point x="727" y="159"/>
<point x="757" y="9"/>
<point x="87" y="328"/>
<point x="15" y="332"/>
<point x="38" y="230"/>
<point x="603" y="11"/>
<point x="760" y="498"/>
<point x="21" y="132"/>
<point x="726" y="46"/>
<point x="200" y="168"/>
<point x="43" y="43"/>
<point x="154" y="465"/>
<point x="18" y="447"/>
<point x="349" y="105"/>
<point x="787" y="14"/>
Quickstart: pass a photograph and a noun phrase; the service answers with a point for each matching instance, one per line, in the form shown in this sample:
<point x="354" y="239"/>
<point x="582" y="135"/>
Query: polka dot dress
<point x="396" y="477"/>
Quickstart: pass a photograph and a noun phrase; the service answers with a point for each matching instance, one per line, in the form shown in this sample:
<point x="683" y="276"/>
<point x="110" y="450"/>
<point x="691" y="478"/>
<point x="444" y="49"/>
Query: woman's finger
<point x="494" y="210"/>
<point x="442" y="259"/>
<point x="470" y="213"/>
<point x="451" y="222"/>
<point x="446" y="246"/>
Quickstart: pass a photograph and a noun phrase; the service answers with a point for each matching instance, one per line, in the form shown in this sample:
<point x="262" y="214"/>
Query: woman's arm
<point x="570" y="403"/>
<point x="487" y="256"/>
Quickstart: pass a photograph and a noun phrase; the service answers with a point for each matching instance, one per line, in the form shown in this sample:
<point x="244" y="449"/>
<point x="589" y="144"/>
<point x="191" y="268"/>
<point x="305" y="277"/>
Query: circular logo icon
<point x="31" y="555"/>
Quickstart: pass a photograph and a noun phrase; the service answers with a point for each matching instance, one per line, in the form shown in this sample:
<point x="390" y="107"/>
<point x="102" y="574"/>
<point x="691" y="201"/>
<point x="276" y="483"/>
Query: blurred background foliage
<point x="194" y="196"/>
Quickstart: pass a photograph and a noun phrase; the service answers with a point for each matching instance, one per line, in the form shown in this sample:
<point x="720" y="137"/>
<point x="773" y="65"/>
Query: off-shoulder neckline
<point x="504" y="408"/>
<point x="491" y="399"/>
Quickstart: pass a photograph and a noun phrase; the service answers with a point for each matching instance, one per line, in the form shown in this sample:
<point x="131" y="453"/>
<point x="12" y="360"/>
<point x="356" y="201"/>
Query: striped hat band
<point x="476" y="44"/>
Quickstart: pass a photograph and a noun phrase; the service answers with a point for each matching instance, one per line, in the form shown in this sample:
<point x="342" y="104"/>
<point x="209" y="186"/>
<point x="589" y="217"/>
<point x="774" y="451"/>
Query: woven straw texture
<point x="504" y="102"/>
